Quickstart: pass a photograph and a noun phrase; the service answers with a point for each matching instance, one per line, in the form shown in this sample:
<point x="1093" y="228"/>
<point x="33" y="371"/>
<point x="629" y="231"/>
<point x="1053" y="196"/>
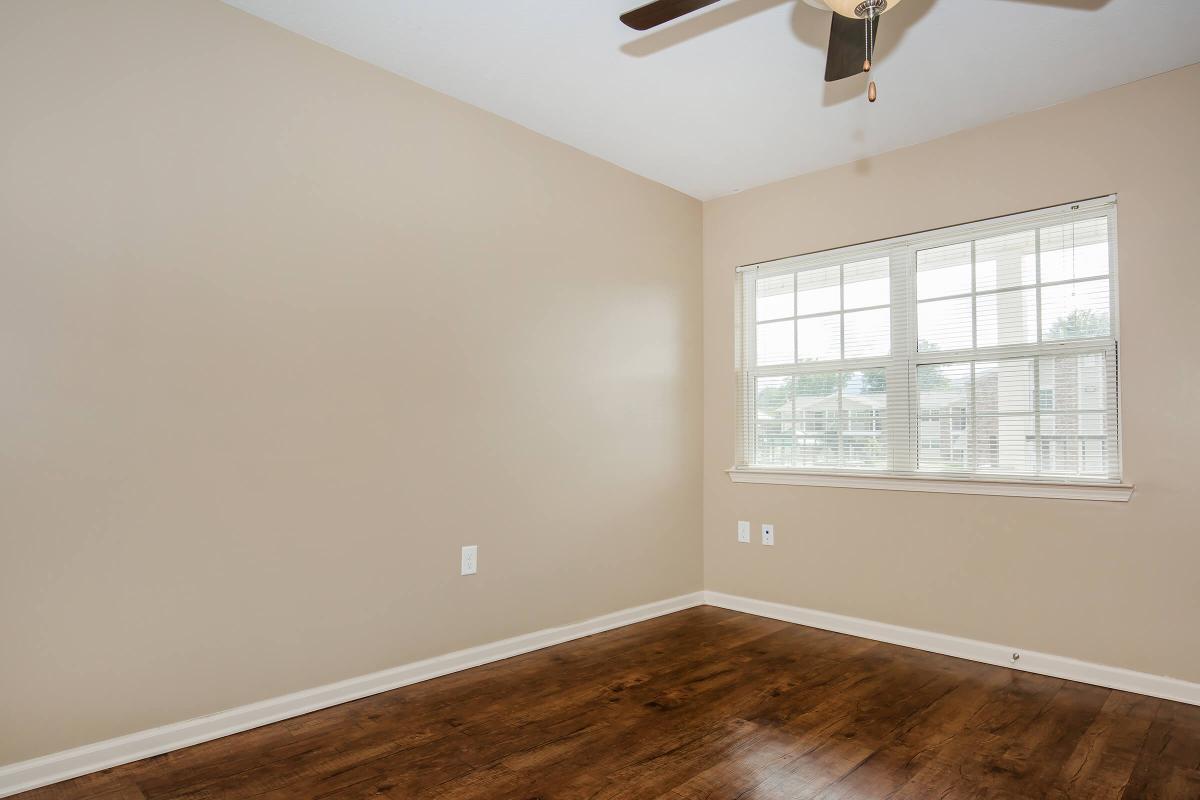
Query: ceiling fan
<point x="851" y="34"/>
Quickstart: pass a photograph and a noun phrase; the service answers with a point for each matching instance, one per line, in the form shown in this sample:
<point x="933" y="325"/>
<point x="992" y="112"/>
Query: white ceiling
<point x="732" y="96"/>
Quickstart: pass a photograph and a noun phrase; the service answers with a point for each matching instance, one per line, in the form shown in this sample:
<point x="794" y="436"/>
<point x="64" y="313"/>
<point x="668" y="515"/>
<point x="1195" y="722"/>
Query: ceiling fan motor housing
<point x="870" y="8"/>
<point x="855" y="9"/>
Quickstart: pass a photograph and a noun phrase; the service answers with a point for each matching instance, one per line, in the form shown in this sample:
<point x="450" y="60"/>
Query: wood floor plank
<point x="1104" y="758"/>
<point x="706" y="703"/>
<point x="1168" y="763"/>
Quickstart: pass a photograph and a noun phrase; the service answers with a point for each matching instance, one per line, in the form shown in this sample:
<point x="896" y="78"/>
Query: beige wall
<point x="279" y="332"/>
<point x="1105" y="582"/>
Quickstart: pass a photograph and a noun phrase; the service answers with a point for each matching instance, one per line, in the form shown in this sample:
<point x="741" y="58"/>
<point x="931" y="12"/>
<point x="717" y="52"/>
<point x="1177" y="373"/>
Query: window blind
<point x="984" y="350"/>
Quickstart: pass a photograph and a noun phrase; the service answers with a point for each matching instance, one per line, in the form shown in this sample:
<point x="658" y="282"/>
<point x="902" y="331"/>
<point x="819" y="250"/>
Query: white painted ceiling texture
<point x="733" y="96"/>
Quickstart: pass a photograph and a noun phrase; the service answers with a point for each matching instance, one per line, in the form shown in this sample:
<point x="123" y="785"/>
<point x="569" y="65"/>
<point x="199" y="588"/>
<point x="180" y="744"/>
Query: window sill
<point x="1112" y="492"/>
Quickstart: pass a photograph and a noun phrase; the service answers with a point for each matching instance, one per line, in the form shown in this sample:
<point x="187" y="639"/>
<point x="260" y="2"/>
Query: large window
<point x="987" y="350"/>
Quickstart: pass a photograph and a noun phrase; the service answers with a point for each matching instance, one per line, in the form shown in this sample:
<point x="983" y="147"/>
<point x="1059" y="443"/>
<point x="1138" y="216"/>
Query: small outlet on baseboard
<point x="744" y="531"/>
<point x="470" y="559"/>
<point x="768" y="533"/>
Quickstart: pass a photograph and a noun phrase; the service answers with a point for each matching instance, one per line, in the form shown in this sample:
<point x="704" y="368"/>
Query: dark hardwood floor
<point x="704" y="703"/>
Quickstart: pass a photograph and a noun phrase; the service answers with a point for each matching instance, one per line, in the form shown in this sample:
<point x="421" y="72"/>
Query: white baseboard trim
<point x="986" y="652"/>
<point x="26" y="775"/>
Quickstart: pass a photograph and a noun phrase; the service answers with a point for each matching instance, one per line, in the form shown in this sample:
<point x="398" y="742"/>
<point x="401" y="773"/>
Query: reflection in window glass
<point x="944" y="271"/>
<point x="776" y="343"/>
<point x="868" y="333"/>
<point x="1005" y="262"/>
<point x="868" y="283"/>
<point x="819" y="338"/>
<point x="944" y="325"/>
<point x="775" y="297"/>
<point x="1006" y="318"/>
<point x="1076" y="250"/>
<point x="818" y="291"/>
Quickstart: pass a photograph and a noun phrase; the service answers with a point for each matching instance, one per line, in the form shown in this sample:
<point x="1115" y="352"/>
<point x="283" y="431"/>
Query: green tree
<point x="930" y="376"/>
<point x="1082" y="323"/>
<point x="818" y="384"/>
<point x="772" y="398"/>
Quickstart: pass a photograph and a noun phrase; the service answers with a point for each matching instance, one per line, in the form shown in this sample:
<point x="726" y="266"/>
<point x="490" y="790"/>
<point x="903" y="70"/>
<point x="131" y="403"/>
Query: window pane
<point x="774" y="297"/>
<point x="1004" y="386"/>
<point x="1076" y="250"/>
<point x="773" y="397"/>
<point x="944" y="401"/>
<point x="942" y="388"/>
<point x="944" y="271"/>
<point x="944" y="325"/>
<point x="774" y="444"/>
<point x="864" y="420"/>
<point x="776" y="343"/>
<point x="1006" y="261"/>
<point x="1006" y="318"/>
<point x="818" y="290"/>
<point x="868" y="283"/>
<point x="868" y="333"/>
<point x="1075" y="310"/>
<point x="1005" y="445"/>
<point x="1072" y="443"/>
<point x="1073" y="383"/>
<point x="819" y="338"/>
<point x="817" y="428"/>
<point x="1093" y="456"/>
<point x="941" y="449"/>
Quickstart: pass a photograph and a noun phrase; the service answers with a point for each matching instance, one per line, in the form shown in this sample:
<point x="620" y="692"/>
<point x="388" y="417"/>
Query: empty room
<point x="578" y="400"/>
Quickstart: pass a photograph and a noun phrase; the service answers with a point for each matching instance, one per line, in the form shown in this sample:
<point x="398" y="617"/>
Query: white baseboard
<point x="986" y="652"/>
<point x="26" y="775"/>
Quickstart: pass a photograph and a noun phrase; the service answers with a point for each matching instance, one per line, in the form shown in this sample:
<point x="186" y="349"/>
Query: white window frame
<point x="902" y="411"/>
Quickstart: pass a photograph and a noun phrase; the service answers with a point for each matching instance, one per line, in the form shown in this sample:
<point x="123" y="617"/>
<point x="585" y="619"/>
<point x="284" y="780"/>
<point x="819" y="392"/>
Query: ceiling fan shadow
<point x="698" y="25"/>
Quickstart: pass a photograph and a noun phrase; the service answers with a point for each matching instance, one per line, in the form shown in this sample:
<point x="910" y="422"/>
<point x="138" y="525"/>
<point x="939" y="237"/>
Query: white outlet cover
<point x="744" y="531"/>
<point x="768" y="534"/>
<point x="470" y="559"/>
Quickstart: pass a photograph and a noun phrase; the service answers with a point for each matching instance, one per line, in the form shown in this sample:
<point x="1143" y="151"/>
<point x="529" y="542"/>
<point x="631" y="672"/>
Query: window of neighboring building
<point x="989" y="349"/>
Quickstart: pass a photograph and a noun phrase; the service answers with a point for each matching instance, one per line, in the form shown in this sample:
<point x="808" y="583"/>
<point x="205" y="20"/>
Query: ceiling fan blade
<point x="847" y="47"/>
<point x="660" y="11"/>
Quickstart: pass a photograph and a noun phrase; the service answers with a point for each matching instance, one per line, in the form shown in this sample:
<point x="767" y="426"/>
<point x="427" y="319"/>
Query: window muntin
<point x="828" y="313"/>
<point x="986" y="350"/>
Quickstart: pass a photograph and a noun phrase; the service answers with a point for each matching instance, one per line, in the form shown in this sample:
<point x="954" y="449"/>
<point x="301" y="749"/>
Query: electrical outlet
<point x="470" y="559"/>
<point x="768" y="533"/>
<point x="744" y="531"/>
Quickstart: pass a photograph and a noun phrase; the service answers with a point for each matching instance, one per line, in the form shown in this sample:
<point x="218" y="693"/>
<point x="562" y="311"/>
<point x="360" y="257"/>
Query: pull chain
<point x="869" y="42"/>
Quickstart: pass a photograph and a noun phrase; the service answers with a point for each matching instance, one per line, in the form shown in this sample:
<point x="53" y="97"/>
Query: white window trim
<point x="1113" y="492"/>
<point x="1035" y="487"/>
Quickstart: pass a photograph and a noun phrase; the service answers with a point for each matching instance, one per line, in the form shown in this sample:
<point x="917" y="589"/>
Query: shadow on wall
<point x="811" y="27"/>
